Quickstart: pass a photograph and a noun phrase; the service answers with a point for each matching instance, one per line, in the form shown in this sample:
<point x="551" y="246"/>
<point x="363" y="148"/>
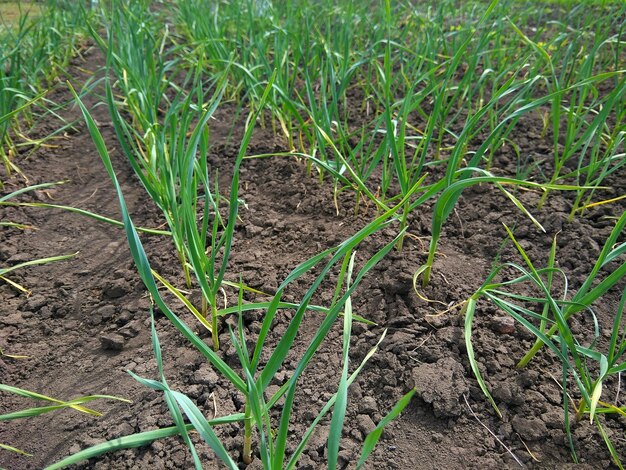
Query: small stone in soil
<point x="115" y="289"/>
<point x="345" y="457"/>
<point x="398" y="342"/>
<point x="20" y="257"/>
<point x="75" y="449"/>
<point x="451" y="334"/>
<point x="508" y="393"/>
<point x="129" y="331"/>
<point x="106" y="312"/>
<point x="365" y="424"/>
<point x="124" y="317"/>
<point x="112" y="342"/>
<point x="503" y="325"/>
<point x="553" y="419"/>
<point x="530" y="429"/>
<point x="368" y="405"/>
<point x="14" y="319"/>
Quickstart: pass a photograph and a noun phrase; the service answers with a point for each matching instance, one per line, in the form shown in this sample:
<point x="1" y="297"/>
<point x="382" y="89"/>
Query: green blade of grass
<point x="327" y="407"/>
<point x="289" y="336"/>
<point x="58" y="404"/>
<point x="203" y="427"/>
<point x="135" y="440"/>
<point x="470" y="309"/>
<point x="339" y="409"/>
<point x="373" y="437"/>
<point x="33" y="187"/>
<point x="93" y="215"/>
<point x="587" y="294"/>
<point x="36" y="262"/>
<point x="14" y="449"/>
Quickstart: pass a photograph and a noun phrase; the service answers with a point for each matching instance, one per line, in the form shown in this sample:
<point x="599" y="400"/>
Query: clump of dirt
<point x="442" y="385"/>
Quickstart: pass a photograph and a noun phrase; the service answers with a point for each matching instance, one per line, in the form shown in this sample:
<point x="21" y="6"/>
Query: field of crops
<point x="312" y="234"/>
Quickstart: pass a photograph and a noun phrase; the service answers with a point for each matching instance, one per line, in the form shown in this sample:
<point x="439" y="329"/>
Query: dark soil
<point x="87" y="320"/>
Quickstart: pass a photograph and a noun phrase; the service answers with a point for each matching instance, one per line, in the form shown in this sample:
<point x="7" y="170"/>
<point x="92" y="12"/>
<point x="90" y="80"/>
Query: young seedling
<point x="551" y="327"/>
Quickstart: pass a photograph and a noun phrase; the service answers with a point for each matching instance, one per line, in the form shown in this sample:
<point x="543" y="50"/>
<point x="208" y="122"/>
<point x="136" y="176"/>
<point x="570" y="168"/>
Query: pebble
<point x="35" y="302"/>
<point x="451" y="334"/>
<point x="14" y="319"/>
<point x="365" y="424"/>
<point x="74" y="449"/>
<point x="106" y="312"/>
<point x="368" y="405"/>
<point x="511" y="394"/>
<point x="206" y="375"/>
<point x="503" y="325"/>
<point x="129" y="331"/>
<point x="531" y="429"/>
<point x="112" y="342"/>
<point x="115" y="289"/>
<point x="20" y="257"/>
<point x="399" y="341"/>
